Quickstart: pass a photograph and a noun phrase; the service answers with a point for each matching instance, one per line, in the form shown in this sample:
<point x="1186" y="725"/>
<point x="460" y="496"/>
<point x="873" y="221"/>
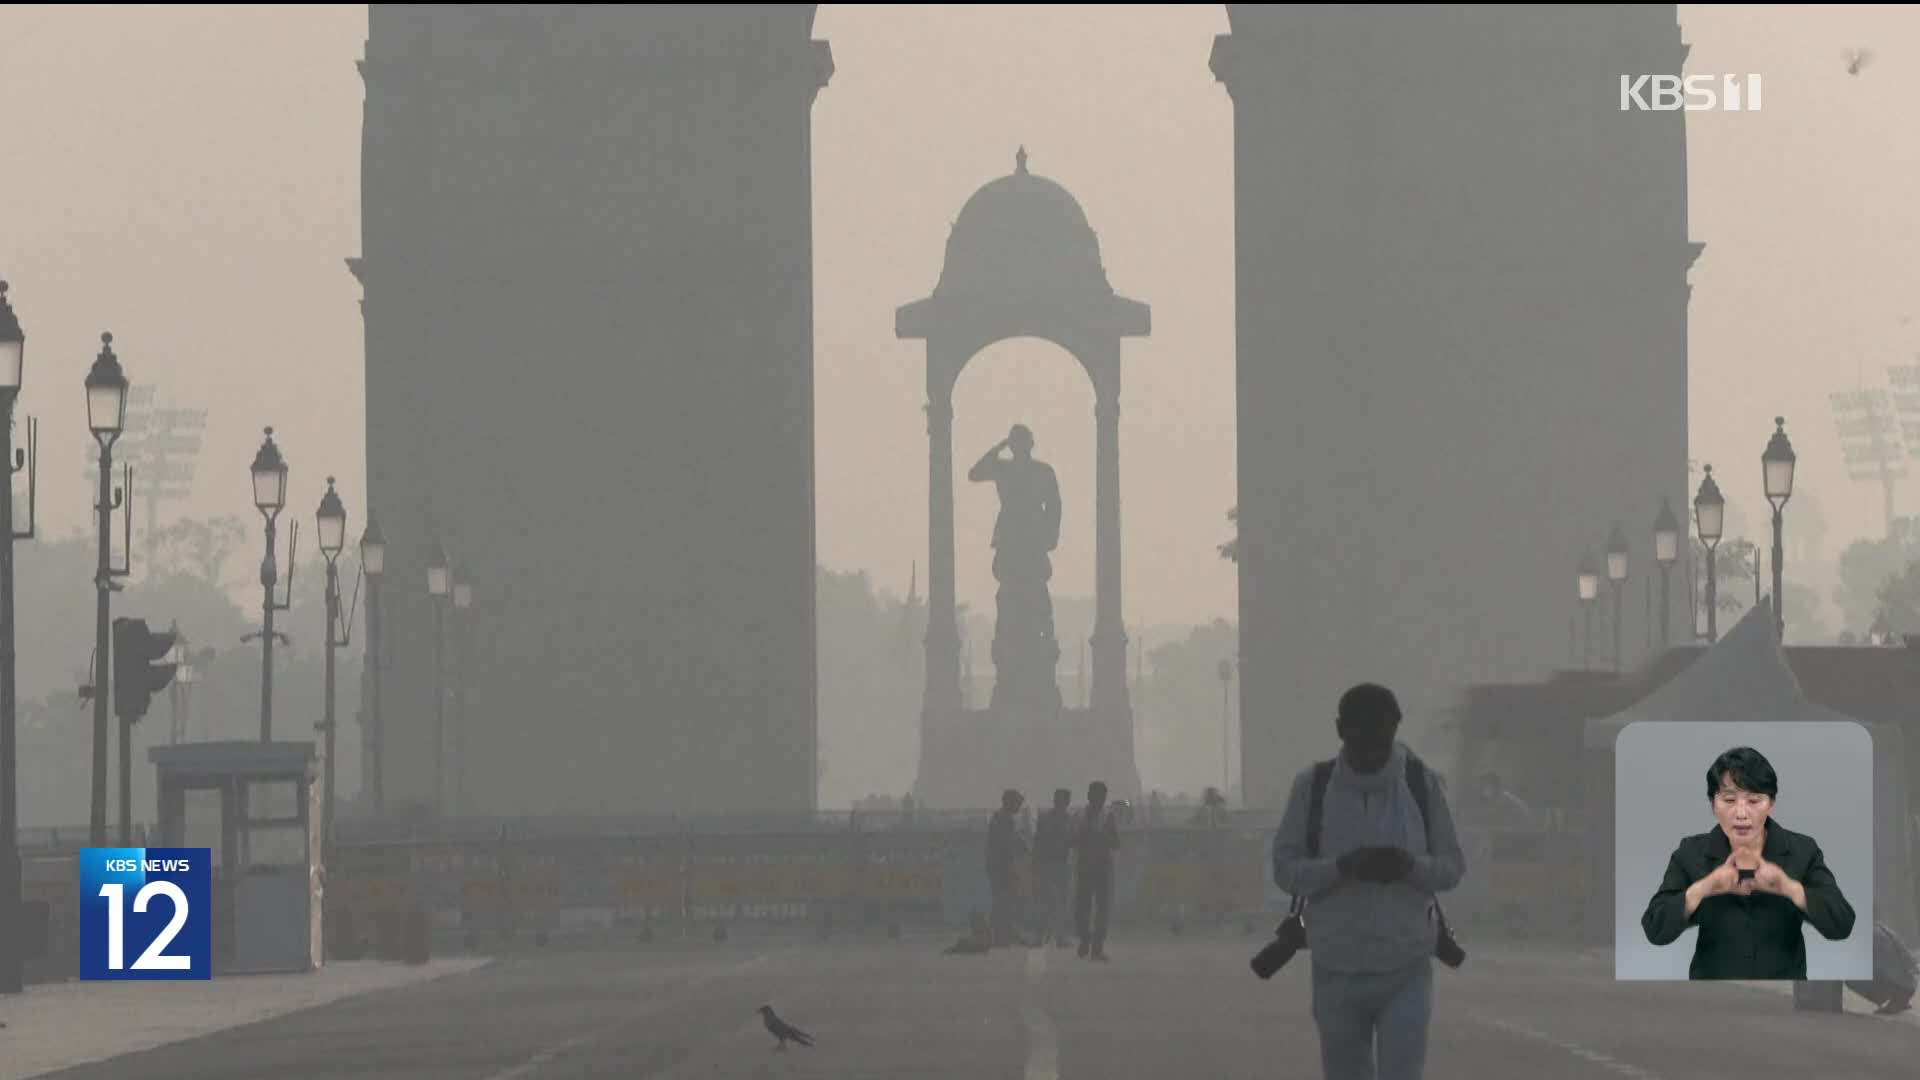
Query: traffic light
<point x="137" y="667"/>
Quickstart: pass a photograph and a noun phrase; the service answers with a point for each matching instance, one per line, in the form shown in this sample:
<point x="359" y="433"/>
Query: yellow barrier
<point x="767" y="883"/>
<point x="904" y="882"/>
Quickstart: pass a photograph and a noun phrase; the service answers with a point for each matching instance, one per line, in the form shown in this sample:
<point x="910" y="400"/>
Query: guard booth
<point x="256" y="806"/>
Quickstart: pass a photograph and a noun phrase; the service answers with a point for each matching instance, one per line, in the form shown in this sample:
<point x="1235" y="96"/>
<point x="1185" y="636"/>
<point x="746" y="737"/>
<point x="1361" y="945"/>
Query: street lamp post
<point x="1710" y="516"/>
<point x="1666" y="550"/>
<point x="183" y="679"/>
<point x="270" y="496"/>
<point x="13" y="358"/>
<point x="1226" y="725"/>
<point x="462" y="600"/>
<point x="1589" y="589"/>
<point x="1617" y="575"/>
<point x="437" y="588"/>
<point x="178" y="656"/>
<point x="106" y="418"/>
<point x="1777" y="464"/>
<point x="331" y="528"/>
<point x="373" y="563"/>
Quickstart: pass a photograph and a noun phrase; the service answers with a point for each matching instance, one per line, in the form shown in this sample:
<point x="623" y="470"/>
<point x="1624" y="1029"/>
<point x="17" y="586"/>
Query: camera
<point x="1289" y="938"/>
<point x="1447" y="949"/>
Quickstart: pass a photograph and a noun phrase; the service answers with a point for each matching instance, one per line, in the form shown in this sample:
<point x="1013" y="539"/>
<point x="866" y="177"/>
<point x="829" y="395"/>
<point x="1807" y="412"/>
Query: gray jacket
<point x="1361" y="926"/>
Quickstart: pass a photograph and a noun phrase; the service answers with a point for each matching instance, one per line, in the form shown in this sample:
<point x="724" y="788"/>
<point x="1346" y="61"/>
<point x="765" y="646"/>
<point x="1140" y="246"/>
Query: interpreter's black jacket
<point x="1748" y="937"/>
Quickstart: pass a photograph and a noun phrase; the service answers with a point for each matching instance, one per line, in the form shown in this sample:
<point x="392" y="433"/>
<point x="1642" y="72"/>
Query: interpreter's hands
<point x="1769" y="878"/>
<point x="1380" y="865"/>
<point x="1725" y="879"/>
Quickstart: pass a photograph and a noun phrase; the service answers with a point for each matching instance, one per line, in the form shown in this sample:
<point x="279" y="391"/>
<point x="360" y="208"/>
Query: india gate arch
<point x="1023" y="261"/>
<point x="565" y="207"/>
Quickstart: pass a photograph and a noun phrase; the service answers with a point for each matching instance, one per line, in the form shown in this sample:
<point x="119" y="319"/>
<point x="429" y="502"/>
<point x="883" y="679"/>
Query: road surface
<point x="1182" y="1009"/>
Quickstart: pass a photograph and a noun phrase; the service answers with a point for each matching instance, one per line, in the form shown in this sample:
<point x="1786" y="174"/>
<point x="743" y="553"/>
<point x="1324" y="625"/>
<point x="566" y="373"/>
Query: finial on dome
<point x="1020" y="160"/>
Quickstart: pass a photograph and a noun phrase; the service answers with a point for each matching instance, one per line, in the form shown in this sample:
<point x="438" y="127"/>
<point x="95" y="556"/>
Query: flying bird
<point x="1857" y="59"/>
<point x="782" y="1030"/>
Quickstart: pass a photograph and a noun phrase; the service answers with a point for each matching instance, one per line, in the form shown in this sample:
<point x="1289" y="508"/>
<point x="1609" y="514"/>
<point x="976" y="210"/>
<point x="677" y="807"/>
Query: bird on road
<point x="782" y="1030"/>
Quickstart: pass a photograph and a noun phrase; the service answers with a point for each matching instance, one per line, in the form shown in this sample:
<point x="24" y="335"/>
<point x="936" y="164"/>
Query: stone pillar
<point x="1109" y="694"/>
<point x="942" y="695"/>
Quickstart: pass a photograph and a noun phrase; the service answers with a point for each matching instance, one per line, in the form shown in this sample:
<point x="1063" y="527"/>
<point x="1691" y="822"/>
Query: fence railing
<point x="865" y="872"/>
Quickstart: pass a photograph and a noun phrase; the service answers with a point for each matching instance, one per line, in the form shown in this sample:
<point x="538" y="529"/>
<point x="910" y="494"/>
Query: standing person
<point x="1005" y="846"/>
<point x="1052" y="850"/>
<point x="1094" y="843"/>
<point x="1370" y="879"/>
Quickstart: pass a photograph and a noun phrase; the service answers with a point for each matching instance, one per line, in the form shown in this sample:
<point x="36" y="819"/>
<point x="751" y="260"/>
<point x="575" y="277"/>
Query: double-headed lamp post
<point x="331" y="526"/>
<point x="1710" y="517"/>
<point x="106" y="418"/>
<point x="1589" y="583"/>
<point x="270" y="496"/>
<point x="1777" y="463"/>
<point x="1666" y="551"/>
<point x="373" y="563"/>
<point x="13" y="358"/>
<point x="462" y="600"/>
<point x="437" y="588"/>
<point x="1617" y="574"/>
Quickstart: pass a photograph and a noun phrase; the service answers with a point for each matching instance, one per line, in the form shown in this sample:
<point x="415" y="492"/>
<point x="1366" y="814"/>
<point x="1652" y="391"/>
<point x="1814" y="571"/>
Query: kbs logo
<point x="146" y="913"/>
<point x="1693" y="93"/>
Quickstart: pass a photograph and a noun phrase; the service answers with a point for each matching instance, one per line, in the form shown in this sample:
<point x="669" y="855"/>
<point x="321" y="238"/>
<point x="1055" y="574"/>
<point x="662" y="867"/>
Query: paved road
<point x="1182" y="1010"/>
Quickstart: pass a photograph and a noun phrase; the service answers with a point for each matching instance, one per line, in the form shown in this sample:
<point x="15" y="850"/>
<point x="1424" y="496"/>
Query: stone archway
<point x="1022" y="261"/>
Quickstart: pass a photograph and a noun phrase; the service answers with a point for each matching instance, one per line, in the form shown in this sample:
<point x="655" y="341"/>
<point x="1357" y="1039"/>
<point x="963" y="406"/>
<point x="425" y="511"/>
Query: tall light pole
<point x="331" y="529"/>
<point x="106" y="418"/>
<point x="437" y="587"/>
<point x="462" y="600"/>
<point x="1226" y="725"/>
<point x="270" y="496"/>
<point x="1666" y="550"/>
<point x="1617" y="574"/>
<point x="13" y="358"/>
<point x="1589" y="583"/>
<point x="1710" y="517"/>
<point x="1777" y="464"/>
<point x="373" y="563"/>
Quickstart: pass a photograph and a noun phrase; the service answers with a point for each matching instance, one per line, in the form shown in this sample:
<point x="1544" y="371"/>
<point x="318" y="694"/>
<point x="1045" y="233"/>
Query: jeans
<point x="1052" y="900"/>
<point x="1359" y="1012"/>
<point x="1092" y="901"/>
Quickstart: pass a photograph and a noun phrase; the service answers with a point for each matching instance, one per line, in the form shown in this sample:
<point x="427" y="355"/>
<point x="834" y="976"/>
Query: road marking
<point x="1043" y="1039"/>
<point x="1592" y="1057"/>
<point x="550" y="1054"/>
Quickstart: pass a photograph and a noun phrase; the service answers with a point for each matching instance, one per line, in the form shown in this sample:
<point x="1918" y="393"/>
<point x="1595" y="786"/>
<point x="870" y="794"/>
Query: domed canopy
<point x="1018" y="229"/>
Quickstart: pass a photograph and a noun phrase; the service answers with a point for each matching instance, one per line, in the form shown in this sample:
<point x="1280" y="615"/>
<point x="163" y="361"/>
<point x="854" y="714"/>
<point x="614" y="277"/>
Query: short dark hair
<point x="1370" y="708"/>
<point x="1747" y="769"/>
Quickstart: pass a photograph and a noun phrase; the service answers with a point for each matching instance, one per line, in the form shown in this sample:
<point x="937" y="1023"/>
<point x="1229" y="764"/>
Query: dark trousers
<point x="1006" y="903"/>
<point x="1092" y="903"/>
<point x="1053" y="899"/>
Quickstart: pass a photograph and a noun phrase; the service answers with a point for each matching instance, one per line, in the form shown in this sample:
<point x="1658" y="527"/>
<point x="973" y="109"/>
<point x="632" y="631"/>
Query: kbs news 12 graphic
<point x="146" y="913"/>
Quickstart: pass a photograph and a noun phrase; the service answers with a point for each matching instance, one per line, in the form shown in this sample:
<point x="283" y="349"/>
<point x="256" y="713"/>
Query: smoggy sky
<point x="188" y="177"/>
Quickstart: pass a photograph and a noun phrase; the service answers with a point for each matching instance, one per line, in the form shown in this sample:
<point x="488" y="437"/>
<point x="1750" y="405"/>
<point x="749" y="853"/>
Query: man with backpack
<point x="1367" y="842"/>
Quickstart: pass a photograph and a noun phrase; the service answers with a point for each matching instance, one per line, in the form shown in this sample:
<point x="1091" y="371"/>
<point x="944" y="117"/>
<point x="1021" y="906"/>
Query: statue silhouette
<point x="1025" y="654"/>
